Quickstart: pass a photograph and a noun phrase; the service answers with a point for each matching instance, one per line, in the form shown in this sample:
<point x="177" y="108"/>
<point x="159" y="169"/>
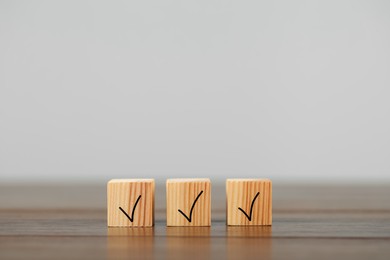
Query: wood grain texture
<point x="130" y="203"/>
<point x="188" y="202"/>
<point x="62" y="221"/>
<point x="249" y="202"/>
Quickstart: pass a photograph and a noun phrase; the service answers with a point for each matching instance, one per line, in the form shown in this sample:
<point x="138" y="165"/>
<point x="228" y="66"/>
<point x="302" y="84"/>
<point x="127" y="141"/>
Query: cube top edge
<point x="247" y="180"/>
<point x="183" y="180"/>
<point x="130" y="180"/>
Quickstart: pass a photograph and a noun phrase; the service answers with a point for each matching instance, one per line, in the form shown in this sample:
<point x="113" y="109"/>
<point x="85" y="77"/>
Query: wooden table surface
<point x="317" y="222"/>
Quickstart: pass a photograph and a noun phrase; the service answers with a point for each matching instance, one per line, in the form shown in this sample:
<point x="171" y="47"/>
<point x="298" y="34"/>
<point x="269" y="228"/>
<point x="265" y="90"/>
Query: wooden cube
<point x="130" y="203"/>
<point x="188" y="202"/>
<point x="249" y="202"/>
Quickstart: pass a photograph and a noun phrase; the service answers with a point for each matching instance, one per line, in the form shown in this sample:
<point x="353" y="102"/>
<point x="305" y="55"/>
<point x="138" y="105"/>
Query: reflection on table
<point x="127" y="242"/>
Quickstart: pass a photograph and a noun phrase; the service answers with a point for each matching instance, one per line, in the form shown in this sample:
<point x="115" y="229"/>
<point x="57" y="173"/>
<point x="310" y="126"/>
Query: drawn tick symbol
<point x="132" y="213"/>
<point x="250" y="213"/>
<point x="192" y="208"/>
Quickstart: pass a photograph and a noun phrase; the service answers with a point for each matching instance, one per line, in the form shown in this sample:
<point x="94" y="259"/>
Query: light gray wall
<point x="290" y="90"/>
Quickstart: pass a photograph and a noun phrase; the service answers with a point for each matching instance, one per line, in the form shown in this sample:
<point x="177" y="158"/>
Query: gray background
<point x="290" y="90"/>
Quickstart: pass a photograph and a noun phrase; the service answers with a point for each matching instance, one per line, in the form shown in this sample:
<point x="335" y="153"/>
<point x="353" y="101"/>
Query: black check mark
<point x="132" y="213"/>
<point x="192" y="208"/>
<point x="250" y="213"/>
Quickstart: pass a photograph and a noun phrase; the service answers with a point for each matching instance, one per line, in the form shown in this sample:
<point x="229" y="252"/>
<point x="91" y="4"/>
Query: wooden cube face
<point x="130" y="203"/>
<point x="249" y="202"/>
<point x="188" y="202"/>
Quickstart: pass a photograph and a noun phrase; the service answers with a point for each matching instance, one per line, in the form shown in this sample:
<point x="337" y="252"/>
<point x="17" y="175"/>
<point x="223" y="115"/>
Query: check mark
<point x="132" y="213"/>
<point x="250" y="213"/>
<point x="192" y="208"/>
